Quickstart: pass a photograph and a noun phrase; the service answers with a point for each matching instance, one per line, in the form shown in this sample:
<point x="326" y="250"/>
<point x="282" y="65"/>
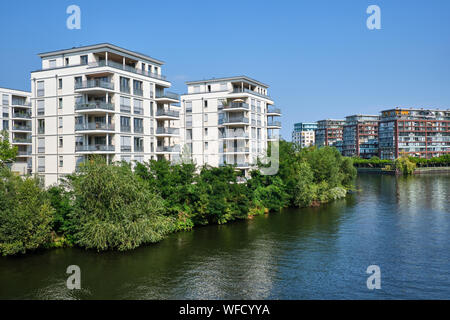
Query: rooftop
<point x="99" y="47"/>
<point x="236" y="78"/>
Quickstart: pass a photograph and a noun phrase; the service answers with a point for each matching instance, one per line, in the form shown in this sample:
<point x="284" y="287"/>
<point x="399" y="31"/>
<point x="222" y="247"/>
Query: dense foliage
<point x="25" y="214"/>
<point x="114" y="206"/>
<point x="375" y="162"/>
<point x="8" y="152"/>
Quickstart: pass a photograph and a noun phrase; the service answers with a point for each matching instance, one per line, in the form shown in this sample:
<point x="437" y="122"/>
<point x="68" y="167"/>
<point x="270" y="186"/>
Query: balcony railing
<point x="169" y="113"/>
<point x="138" y="148"/>
<point x="124" y="128"/>
<point x="161" y="130"/>
<point x="21" y="140"/>
<point x="234" y="120"/>
<point x="234" y="135"/>
<point x="167" y="149"/>
<point x="274" y="123"/>
<point x="94" y="105"/>
<point x="127" y="68"/>
<point x="236" y="105"/>
<point x="138" y="92"/>
<point x="20" y="103"/>
<point x="238" y="149"/>
<point x="41" y="168"/>
<point x="94" y="84"/>
<point x="138" y="110"/>
<point x="23" y="153"/>
<point x="167" y="94"/>
<point x="94" y="126"/>
<point x="273" y="110"/>
<point x="25" y="115"/>
<point x="125" y="108"/>
<point x="22" y="128"/>
<point x="138" y="129"/>
<point x="239" y="90"/>
<point x="95" y="147"/>
<point x="125" y="148"/>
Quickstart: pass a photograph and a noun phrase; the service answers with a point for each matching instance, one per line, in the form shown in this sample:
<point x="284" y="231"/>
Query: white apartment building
<point x="100" y="100"/>
<point x="15" y="118"/>
<point x="228" y="121"/>
<point x="304" y="134"/>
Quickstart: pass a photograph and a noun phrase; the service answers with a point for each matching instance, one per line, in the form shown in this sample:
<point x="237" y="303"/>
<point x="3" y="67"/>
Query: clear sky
<point x="318" y="56"/>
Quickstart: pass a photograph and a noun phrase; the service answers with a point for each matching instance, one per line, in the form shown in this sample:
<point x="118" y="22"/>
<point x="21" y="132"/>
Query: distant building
<point x="360" y="136"/>
<point x="304" y="134"/>
<point x="328" y="132"/>
<point x="15" y="119"/>
<point x="422" y="133"/>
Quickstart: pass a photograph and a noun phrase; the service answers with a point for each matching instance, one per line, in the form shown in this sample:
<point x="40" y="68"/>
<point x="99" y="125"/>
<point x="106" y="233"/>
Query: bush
<point x="114" y="209"/>
<point x="25" y="214"/>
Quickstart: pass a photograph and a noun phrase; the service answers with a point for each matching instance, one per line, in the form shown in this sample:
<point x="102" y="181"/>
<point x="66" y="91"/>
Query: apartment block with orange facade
<point x="423" y="133"/>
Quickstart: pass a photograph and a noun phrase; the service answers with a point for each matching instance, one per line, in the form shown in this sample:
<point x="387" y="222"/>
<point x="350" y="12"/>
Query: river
<point x="401" y="224"/>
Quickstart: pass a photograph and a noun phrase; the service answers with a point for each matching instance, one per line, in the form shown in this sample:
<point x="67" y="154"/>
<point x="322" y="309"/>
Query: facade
<point x="328" y="132"/>
<point x="304" y="134"/>
<point x="16" y="120"/>
<point x="100" y="100"/>
<point x="228" y="121"/>
<point x="423" y="133"/>
<point x="360" y="136"/>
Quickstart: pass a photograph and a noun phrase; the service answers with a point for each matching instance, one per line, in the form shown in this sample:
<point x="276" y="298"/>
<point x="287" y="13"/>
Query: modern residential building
<point x="228" y="121"/>
<point x="422" y="133"/>
<point x="304" y="134"/>
<point x="100" y="100"/>
<point x="360" y="136"/>
<point x="15" y="118"/>
<point x="328" y="132"/>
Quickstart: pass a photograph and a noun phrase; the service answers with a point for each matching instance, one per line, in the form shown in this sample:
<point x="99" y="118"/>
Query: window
<point x="125" y="143"/>
<point x="138" y="144"/>
<point x="188" y="120"/>
<point x="138" y="109"/>
<point x="59" y="83"/>
<point x="151" y="108"/>
<point x="5" y="100"/>
<point x="60" y="122"/>
<point x="52" y="63"/>
<point x="67" y="61"/>
<point x="41" y="164"/>
<point x="138" y="125"/>
<point x="188" y="134"/>
<point x="206" y="145"/>
<point x="60" y="142"/>
<point x="206" y="117"/>
<point x="40" y="89"/>
<point x="41" y="145"/>
<point x="206" y="103"/>
<point x="60" y="103"/>
<point x="124" y="85"/>
<point x="5" y="112"/>
<point x="5" y="125"/>
<point x="125" y="124"/>
<point x="125" y="104"/>
<point x="83" y="59"/>
<point x="61" y="161"/>
<point x="137" y="88"/>
<point x="78" y="82"/>
<point x="40" y="107"/>
<point x="209" y="88"/>
<point x="41" y="126"/>
<point x="188" y="106"/>
<point x="206" y="132"/>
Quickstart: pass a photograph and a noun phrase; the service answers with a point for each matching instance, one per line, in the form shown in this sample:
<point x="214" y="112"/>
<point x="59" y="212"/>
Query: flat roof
<point x="99" y="46"/>
<point x="11" y="89"/>
<point x="414" y="109"/>
<point x="245" y="78"/>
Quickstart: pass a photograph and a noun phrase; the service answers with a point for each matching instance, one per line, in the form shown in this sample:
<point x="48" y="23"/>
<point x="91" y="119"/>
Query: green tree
<point x="8" y="152"/>
<point x="114" y="209"/>
<point x="25" y="214"/>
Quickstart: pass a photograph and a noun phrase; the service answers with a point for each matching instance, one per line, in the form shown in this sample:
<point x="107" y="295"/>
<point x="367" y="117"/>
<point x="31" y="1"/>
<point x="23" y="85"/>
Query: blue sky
<point x="318" y="57"/>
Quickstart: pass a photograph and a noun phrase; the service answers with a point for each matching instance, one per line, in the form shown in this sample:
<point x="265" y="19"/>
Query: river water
<point x="400" y="224"/>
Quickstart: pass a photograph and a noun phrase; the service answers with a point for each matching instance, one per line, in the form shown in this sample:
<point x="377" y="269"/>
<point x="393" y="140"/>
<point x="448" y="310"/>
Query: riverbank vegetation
<point x="121" y="206"/>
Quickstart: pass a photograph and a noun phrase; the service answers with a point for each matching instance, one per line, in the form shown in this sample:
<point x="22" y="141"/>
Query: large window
<point x="124" y="85"/>
<point x="125" y="143"/>
<point x="40" y="89"/>
<point x="138" y="125"/>
<point x="125" y="124"/>
<point x="125" y="104"/>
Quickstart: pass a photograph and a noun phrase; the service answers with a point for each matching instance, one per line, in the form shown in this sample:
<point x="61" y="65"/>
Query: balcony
<point x="273" y="111"/>
<point x="167" y="96"/>
<point x="21" y="153"/>
<point x="95" y="148"/>
<point x="94" y="106"/>
<point x="22" y="140"/>
<point x="21" y="128"/>
<point x="124" y="128"/>
<point x="22" y="115"/>
<point x="124" y="108"/>
<point x="236" y="106"/>
<point x="94" y="126"/>
<point x="240" y="90"/>
<point x="94" y="85"/>
<point x="167" y="114"/>
<point x="161" y="131"/>
<point x="242" y="165"/>
<point x="274" y="124"/>
<point x="167" y="149"/>
<point x="125" y="148"/>
<point x="234" y="135"/>
<point x="234" y="121"/>
<point x="138" y="92"/>
<point x="138" y="129"/>
<point x="236" y="150"/>
<point x="120" y="66"/>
